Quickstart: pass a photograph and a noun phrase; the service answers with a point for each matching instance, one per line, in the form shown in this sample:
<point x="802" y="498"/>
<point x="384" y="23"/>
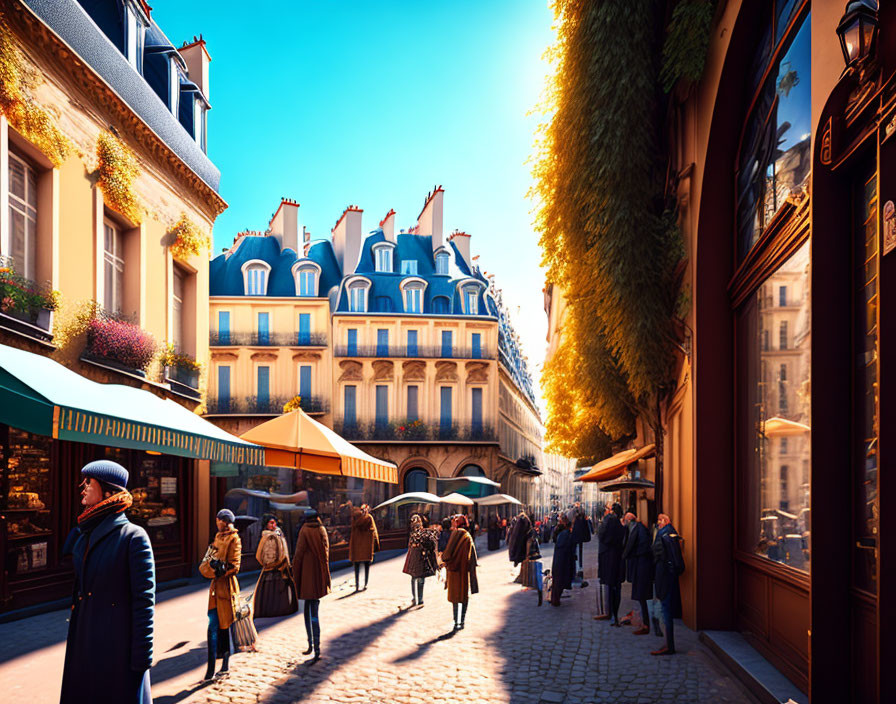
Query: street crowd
<point x="114" y="597"/>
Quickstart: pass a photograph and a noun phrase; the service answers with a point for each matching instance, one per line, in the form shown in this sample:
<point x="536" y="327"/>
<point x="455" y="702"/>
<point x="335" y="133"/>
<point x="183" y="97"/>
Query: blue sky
<point x="373" y="103"/>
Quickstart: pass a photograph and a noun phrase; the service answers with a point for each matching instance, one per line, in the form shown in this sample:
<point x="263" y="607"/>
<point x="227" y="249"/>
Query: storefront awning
<point x="616" y="465"/>
<point x="782" y="427"/>
<point x="41" y="396"/>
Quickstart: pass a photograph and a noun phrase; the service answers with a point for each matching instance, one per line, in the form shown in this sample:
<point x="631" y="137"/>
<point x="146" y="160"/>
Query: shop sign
<point x="889" y="217"/>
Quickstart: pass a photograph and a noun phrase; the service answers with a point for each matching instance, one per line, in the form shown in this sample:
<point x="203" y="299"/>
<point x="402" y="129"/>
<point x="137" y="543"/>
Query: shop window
<point x="23" y="215"/>
<point x="775" y="156"/>
<point x="775" y="520"/>
<point x="27" y="500"/>
<point x="156" y="485"/>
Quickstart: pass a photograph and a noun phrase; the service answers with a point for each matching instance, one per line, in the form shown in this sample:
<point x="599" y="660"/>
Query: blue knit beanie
<point x="225" y="514"/>
<point x="106" y="471"/>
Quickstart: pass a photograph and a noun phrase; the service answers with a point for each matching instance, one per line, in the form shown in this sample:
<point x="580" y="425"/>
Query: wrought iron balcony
<point x="261" y="405"/>
<point x="414" y="431"/>
<point x="257" y="339"/>
<point x="412" y="352"/>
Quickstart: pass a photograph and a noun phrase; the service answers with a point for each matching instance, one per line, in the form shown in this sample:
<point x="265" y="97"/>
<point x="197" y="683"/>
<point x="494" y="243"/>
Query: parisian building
<point x="395" y="339"/>
<point x="104" y="184"/>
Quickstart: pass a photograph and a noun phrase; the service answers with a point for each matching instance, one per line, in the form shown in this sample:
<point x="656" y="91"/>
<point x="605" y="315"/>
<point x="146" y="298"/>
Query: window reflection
<point x="780" y="427"/>
<point x="775" y="157"/>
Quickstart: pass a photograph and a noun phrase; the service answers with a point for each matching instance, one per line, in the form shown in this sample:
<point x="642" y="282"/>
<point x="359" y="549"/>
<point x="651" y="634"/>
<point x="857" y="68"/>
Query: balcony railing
<point x="415" y="431"/>
<point x="256" y="339"/>
<point x="260" y="405"/>
<point x="411" y="352"/>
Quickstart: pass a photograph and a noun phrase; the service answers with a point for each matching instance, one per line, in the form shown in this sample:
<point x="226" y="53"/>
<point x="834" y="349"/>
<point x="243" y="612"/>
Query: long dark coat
<point x="668" y="565"/>
<point x="610" y="535"/>
<point x="311" y="562"/>
<point x="109" y="648"/>
<point x="494" y="532"/>
<point x="638" y="558"/>
<point x="580" y="531"/>
<point x="563" y="564"/>
<point x="517" y="547"/>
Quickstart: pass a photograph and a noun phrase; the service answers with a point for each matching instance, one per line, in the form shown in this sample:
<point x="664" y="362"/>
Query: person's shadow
<point x="423" y="647"/>
<point x="307" y="675"/>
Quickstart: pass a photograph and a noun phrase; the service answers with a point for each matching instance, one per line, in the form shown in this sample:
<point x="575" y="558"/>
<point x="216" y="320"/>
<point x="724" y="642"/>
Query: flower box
<point x="119" y="344"/>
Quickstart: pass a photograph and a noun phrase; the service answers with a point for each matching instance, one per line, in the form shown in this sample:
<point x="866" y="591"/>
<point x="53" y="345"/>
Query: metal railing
<point x="412" y="352"/>
<point x="248" y="405"/>
<point x="415" y="431"/>
<point x="256" y="339"/>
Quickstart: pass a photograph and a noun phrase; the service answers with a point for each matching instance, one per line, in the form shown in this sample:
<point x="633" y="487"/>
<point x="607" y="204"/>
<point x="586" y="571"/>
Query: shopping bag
<point x="242" y="630"/>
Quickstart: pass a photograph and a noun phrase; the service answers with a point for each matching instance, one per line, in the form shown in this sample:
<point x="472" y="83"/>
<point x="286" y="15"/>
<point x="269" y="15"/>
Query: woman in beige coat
<point x="363" y="542"/>
<point x="275" y="592"/>
<point x="311" y="568"/>
<point x="460" y="562"/>
<point x="221" y="564"/>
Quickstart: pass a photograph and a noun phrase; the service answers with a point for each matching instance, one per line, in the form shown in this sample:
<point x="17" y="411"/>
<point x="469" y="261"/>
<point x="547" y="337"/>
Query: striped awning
<point x="41" y="396"/>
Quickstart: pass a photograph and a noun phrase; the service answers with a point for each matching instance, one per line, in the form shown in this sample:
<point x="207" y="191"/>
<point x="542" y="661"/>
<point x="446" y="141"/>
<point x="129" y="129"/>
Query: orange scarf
<point x="117" y="503"/>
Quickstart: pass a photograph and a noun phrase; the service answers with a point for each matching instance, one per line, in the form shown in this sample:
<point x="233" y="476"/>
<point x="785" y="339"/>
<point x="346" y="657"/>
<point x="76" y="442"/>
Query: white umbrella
<point x="413" y="497"/>
<point x="496" y="499"/>
<point x="456" y="500"/>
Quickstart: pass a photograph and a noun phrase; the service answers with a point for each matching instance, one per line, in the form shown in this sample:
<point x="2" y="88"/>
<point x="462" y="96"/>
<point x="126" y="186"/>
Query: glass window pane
<point x="305" y="381"/>
<point x="413" y="392"/>
<point x="775" y="419"/>
<point x="16" y="178"/>
<point x="349" y="414"/>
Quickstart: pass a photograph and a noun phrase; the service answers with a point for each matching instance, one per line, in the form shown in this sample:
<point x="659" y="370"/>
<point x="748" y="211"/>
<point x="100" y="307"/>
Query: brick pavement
<point x="510" y="651"/>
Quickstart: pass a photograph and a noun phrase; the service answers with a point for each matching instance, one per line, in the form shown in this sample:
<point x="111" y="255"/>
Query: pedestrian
<point x="460" y="562"/>
<point x="311" y="570"/>
<point x="610" y="535"/>
<point x="580" y="535"/>
<point x="494" y="532"/>
<point x="444" y="534"/>
<point x="563" y="565"/>
<point x="638" y="557"/>
<point x="275" y="591"/>
<point x="221" y="565"/>
<point x="421" y="561"/>
<point x="534" y="571"/>
<point x="668" y="565"/>
<point x="363" y="543"/>
<point x="517" y="540"/>
<point x="108" y="651"/>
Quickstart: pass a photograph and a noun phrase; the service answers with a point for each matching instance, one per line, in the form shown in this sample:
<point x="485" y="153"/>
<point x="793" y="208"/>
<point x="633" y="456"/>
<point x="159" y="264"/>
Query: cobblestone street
<point x="510" y="650"/>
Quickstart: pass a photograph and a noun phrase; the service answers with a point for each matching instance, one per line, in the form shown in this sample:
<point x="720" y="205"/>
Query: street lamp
<point x="858" y="31"/>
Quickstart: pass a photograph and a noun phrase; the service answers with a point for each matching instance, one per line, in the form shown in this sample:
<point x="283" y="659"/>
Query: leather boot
<point x="225" y="666"/>
<point x="210" y="670"/>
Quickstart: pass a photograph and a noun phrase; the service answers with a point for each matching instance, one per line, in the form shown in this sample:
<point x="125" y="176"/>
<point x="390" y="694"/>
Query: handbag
<point x="242" y="630"/>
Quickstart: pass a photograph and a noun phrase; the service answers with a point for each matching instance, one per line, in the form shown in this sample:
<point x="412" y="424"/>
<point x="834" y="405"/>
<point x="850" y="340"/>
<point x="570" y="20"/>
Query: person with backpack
<point x="668" y="567"/>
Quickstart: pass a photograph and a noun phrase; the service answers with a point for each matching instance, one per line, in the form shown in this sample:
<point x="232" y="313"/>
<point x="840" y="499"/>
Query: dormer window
<point x="306" y="274"/>
<point x="409" y="267"/>
<point x="470" y="298"/>
<point x="382" y="253"/>
<point x="173" y="86"/>
<point x="412" y="293"/>
<point x="134" y="36"/>
<point x="357" y="295"/>
<point x="442" y="262"/>
<point x="255" y="277"/>
<point x="199" y="123"/>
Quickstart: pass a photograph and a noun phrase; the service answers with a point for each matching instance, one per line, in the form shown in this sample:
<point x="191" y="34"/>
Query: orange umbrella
<point x="616" y="465"/>
<point x="297" y="440"/>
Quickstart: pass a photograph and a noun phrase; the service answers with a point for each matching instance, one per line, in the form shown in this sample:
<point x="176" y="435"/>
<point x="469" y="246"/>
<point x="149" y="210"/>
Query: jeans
<point x="417" y="588"/>
<point x="218" y="638"/>
<point x="358" y="573"/>
<point x="312" y="622"/>
<point x="668" y="622"/>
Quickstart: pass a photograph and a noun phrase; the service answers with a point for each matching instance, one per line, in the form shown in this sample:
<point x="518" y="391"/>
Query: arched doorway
<point x="415" y="480"/>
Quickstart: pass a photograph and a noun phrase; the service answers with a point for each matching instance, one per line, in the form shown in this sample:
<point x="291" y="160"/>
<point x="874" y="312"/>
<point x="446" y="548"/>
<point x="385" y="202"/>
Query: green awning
<point x="43" y="397"/>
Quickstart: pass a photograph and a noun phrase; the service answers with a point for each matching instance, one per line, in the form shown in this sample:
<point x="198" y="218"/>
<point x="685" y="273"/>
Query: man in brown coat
<point x="460" y="562"/>
<point x="221" y="564"/>
<point x="311" y="568"/>
<point x="363" y="542"/>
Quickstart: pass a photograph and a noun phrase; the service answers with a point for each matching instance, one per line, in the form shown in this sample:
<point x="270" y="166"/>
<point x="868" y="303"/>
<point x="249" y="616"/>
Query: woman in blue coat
<point x="109" y="648"/>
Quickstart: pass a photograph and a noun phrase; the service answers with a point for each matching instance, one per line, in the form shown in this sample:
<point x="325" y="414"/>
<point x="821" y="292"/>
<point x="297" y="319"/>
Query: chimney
<point x="285" y="225"/>
<point x="430" y="220"/>
<point x="197" y="58"/>
<point x="462" y="243"/>
<point x="347" y="239"/>
<point x="388" y="225"/>
<point x="306" y="240"/>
